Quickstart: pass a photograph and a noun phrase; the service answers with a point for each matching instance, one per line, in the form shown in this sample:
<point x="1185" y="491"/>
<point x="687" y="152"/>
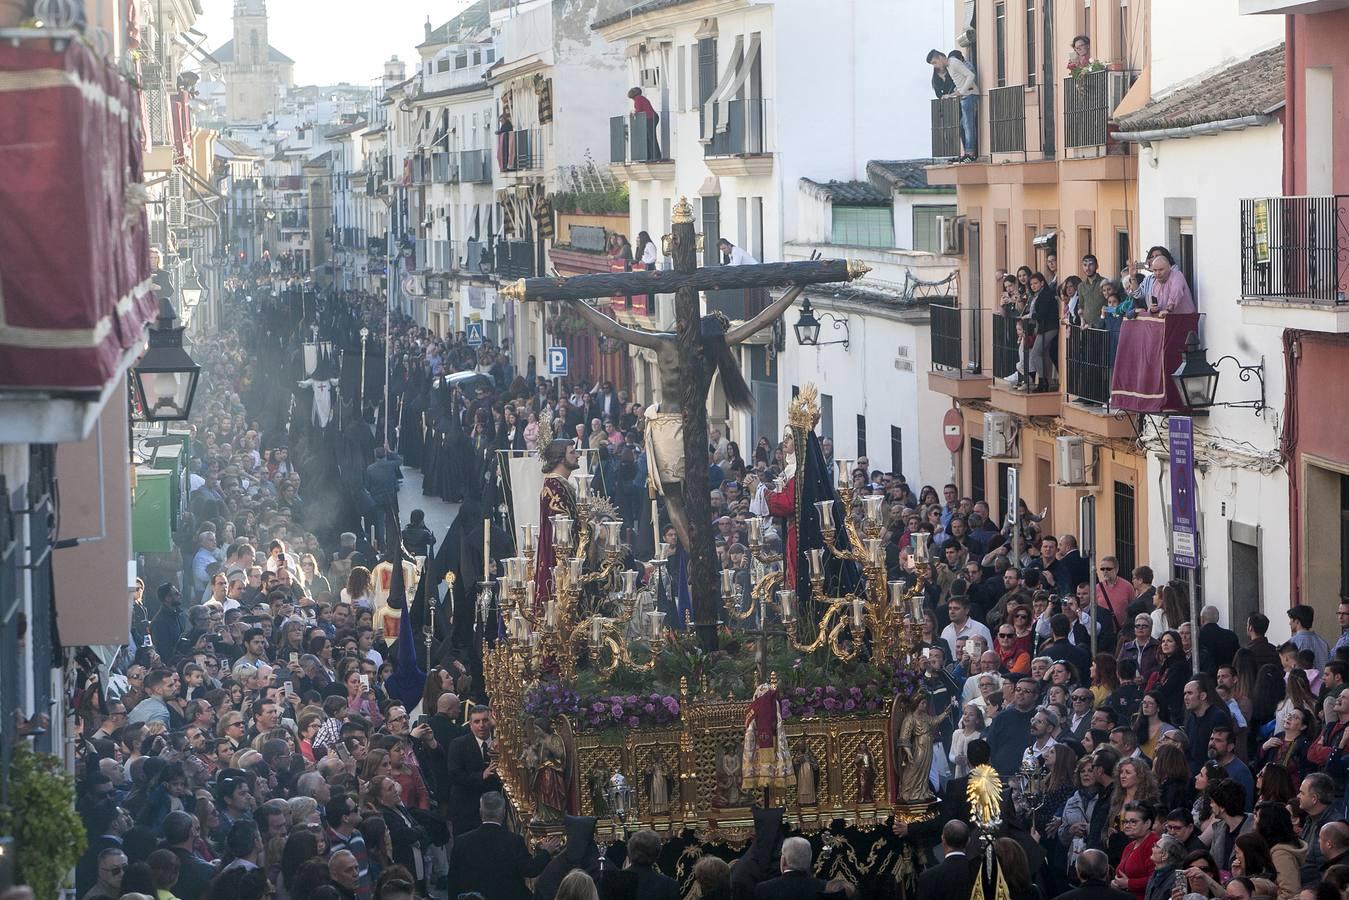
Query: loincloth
<point x="664" y="448"/>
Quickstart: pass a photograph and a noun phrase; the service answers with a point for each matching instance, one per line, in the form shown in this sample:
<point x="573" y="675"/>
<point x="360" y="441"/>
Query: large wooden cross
<point x="685" y="280"/>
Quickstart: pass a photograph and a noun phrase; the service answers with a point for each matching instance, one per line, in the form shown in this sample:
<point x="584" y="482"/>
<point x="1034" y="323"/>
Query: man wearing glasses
<point x="110" y="822"/>
<point x="111" y="866"/>
<point x="1079" y="717"/>
<point x="1112" y="592"/>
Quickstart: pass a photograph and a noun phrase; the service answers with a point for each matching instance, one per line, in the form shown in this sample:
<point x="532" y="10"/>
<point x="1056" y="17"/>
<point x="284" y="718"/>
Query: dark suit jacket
<point x="86" y="868"/>
<point x="653" y="885"/>
<point x="790" y="886"/>
<point x="495" y="863"/>
<point x="1095" y="890"/>
<point x="1220" y="643"/>
<point x="465" y="764"/>
<point x="951" y="880"/>
<point x="194" y="875"/>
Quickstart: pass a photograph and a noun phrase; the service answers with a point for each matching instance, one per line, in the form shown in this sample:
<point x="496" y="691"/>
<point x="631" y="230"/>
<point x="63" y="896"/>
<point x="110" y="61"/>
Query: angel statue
<point x="546" y="761"/>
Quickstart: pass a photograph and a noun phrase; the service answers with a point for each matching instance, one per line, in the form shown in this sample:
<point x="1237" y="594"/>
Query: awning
<point x="75" y="288"/>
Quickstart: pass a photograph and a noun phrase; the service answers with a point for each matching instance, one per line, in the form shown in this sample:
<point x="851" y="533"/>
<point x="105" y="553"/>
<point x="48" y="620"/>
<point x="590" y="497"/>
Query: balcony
<point x="475" y="167"/>
<point x="638" y="151"/>
<point x="443" y="168"/>
<point x="516" y="259"/>
<point x="739" y="146"/>
<point x="1007" y="119"/>
<point x="521" y="150"/>
<point x="1003" y="395"/>
<point x="1295" y="259"/>
<point x="738" y="304"/>
<point x="946" y="128"/>
<point x="1089" y="100"/>
<point x="294" y="221"/>
<point x="955" y="372"/>
<point x="1089" y="363"/>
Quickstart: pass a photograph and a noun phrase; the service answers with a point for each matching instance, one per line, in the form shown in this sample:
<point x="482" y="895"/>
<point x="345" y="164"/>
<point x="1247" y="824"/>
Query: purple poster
<point x="1184" y="515"/>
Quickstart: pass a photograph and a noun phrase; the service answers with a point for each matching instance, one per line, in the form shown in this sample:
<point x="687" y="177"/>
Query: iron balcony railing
<point x="1088" y="101"/>
<point x="1090" y="363"/>
<point x="634" y="138"/>
<point x="946" y="128"/>
<point x="516" y="259"/>
<point x="1005" y="348"/>
<point x="944" y="329"/>
<point x="744" y="133"/>
<point x="521" y="149"/>
<point x="294" y="220"/>
<point x="1295" y="249"/>
<point x="475" y="166"/>
<point x="738" y="303"/>
<point x="1007" y="119"/>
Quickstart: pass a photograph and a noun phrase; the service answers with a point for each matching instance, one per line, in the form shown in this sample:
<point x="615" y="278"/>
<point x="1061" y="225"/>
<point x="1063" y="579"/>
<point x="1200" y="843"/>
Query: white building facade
<point x="1187" y="203"/>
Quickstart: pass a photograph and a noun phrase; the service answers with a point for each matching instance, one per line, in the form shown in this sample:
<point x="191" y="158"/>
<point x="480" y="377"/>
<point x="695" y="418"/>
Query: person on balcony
<point x="1167" y="290"/>
<point x="731" y="255"/>
<point x="967" y="89"/>
<point x="1090" y="300"/>
<point x="642" y="106"/>
<point x="646" y="250"/>
<point x="1044" y="310"/>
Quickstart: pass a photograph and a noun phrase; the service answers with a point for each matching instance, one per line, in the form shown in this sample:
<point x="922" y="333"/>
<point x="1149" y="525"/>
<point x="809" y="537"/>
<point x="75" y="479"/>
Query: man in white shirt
<point x="734" y="256"/>
<point x="1042" y="727"/>
<point x="962" y="626"/>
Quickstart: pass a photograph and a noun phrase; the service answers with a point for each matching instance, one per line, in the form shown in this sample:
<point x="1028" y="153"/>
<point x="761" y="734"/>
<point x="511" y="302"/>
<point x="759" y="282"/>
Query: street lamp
<point x="807" y="327"/>
<point x="192" y="290"/>
<point x="1197" y="380"/>
<point x="165" y="379"/>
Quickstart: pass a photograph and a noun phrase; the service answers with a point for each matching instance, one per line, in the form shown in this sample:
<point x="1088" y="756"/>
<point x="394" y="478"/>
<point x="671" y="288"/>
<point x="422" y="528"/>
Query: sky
<point x="337" y="40"/>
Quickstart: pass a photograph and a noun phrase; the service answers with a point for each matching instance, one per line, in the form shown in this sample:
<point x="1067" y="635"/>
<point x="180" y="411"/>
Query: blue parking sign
<point x="475" y="334"/>
<point x="557" y="362"/>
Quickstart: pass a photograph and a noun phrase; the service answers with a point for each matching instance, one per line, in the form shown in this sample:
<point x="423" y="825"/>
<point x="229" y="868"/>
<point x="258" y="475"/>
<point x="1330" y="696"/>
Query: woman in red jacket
<point x="1135" y="864"/>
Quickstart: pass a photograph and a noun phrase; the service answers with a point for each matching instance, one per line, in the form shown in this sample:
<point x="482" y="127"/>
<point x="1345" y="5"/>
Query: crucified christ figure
<point x="665" y="419"/>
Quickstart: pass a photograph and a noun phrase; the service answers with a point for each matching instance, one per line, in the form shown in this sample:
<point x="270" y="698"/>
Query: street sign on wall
<point x="953" y="430"/>
<point x="1184" y="511"/>
<point x="557" y="362"/>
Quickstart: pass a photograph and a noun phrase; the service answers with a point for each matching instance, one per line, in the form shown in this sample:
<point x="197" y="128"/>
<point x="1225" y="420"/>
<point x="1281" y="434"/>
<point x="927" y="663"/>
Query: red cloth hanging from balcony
<point x="75" y="289"/>
<point x="1150" y="349"/>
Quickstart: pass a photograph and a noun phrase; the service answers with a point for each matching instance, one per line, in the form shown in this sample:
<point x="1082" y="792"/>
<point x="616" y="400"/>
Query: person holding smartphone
<point x="360" y="698"/>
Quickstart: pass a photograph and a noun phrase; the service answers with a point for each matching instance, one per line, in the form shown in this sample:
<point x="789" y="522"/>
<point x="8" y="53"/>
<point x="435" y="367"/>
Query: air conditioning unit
<point x="951" y="235"/>
<point x="999" y="435"/>
<point x="1072" y="454"/>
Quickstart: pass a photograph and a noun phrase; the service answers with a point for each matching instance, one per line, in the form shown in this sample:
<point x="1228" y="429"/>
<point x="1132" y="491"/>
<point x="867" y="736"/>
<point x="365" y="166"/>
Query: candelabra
<point x="1032" y="783"/>
<point x="884" y="609"/>
<point x="545" y="637"/>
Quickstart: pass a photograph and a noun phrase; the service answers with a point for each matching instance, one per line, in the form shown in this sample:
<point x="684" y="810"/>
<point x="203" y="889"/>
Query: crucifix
<point x="687" y="360"/>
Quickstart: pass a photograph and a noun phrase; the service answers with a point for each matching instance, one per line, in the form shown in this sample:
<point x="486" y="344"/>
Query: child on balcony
<point x="1025" y="340"/>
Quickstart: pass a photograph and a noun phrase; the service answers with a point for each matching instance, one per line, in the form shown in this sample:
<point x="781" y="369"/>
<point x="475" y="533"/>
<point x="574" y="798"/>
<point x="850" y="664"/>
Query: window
<point x="742" y="223"/>
<point x="862" y="436"/>
<point x="1030" y="42"/>
<point x="896" y="450"/>
<point x="826" y="416"/>
<point x="756" y="227"/>
<point x="1000" y="250"/>
<point x="461" y="60"/>
<point x="1004" y="490"/>
<point x="707" y="79"/>
<point x="1000" y="41"/>
<point x="1084" y="242"/>
<point x="1121" y="249"/>
<point x="926" y="234"/>
<point x="1126" y="535"/>
<point x="863" y="226"/>
<point x="711" y="230"/>
<point x="977" y="468"/>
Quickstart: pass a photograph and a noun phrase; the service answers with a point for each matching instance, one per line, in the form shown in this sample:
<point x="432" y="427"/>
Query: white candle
<point x="727" y="582"/>
<point x="858" y="611"/>
<point x="530" y="588"/>
<point x="824" y="509"/>
<point x="920" y="542"/>
<point x="550" y="614"/>
<point x="596" y="627"/>
<point x="527" y="538"/>
<point x="755" y="531"/>
<point x="918" y="608"/>
<point x="788" y="601"/>
<point x="657" y="625"/>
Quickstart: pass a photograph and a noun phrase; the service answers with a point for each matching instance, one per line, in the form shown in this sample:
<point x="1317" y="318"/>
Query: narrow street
<point x="439" y="514"/>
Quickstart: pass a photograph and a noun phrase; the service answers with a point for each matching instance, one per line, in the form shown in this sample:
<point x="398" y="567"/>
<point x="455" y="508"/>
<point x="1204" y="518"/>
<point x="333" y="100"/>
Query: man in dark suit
<point x="106" y="822"/>
<point x="951" y="879"/>
<point x="652" y="884"/>
<point x="796" y="881"/>
<point x="471" y="772"/>
<point x="494" y="861"/>
<point x="1093" y="869"/>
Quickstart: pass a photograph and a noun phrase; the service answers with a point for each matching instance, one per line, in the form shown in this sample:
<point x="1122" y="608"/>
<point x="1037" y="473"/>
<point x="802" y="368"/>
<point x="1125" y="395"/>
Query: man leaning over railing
<point x="961" y="75"/>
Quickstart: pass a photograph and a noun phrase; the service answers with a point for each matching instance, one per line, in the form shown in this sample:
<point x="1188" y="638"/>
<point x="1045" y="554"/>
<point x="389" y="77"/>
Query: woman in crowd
<point x="1135" y="862"/>
<point x="1149" y="723"/>
<point x="1168" y="682"/>
<point x="1287" y="851"/>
